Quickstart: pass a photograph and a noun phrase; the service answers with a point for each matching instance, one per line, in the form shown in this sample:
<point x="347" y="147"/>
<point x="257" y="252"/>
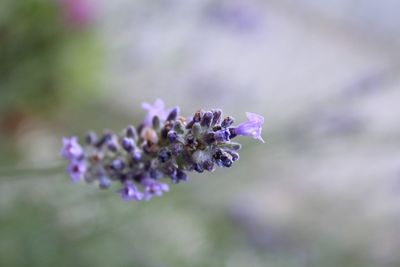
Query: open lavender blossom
<point x="164" y="146"/>
<point x="157" y="109"/>
<point x="71" y="149"/>
<point x="252" y="127"/>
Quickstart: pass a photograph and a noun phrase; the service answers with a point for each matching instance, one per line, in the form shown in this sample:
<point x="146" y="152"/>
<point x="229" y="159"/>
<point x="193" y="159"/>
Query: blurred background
<point x="323" y="191"/>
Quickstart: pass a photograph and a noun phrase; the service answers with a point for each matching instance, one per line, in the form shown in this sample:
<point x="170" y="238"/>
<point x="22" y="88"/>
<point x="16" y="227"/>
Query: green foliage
<point x="43" y="61"/>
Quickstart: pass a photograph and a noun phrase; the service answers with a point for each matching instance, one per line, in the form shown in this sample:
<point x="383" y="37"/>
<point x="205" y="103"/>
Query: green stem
<point x="16" y="172"/>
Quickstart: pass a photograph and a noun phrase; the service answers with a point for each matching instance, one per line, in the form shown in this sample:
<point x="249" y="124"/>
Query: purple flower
<point x="76" y="169"/>
<point x="252" y="127"/>
<point x="71" y="149"/>
<point x="157" y="109"/>
<point x="222" y="135"/>
<point x="128" y="143"/>
<point x="104" y="182"/>
<point x="153" y="188"/>
<point x="130" y="192"/>
<point x="77" y="12"/>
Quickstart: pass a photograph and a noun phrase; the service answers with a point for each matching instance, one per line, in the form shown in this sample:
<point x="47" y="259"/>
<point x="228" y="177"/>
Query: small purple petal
<point x="164" y="187"/>
<point x="157" y="109"/>
<point x="222" y="135"/>
<point x="129" y="192"/>
<point x="153" y="188"/>
<point x="252" y="127"/>
<point x="76" y="169"/>
<point x="71" y="149"/>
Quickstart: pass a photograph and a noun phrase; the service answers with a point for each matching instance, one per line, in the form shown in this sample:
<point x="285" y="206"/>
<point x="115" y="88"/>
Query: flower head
<point x="71" y="149"/>
<point x="252" y="127"/>
<point x="163" y="147"/>
<point x="129" y="192"/>
<point x="157" y="109"/>
<point x="153" y="188"/>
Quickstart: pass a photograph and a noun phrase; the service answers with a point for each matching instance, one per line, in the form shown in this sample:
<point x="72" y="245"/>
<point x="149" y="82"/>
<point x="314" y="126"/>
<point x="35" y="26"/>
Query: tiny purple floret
<point x="222" y="135"/>
<point x="128" y="143"/>
<point x="252" y="127"/>
<point x="71" y="150"/>
<point x="130" y="192"/>
<point x="153" y="188"/>
<point x="76" y="169"/>
<point x="157" y="109"/>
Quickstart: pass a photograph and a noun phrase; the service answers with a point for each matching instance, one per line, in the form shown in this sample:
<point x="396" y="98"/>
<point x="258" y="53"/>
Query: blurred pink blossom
<point x="77" y="13"/>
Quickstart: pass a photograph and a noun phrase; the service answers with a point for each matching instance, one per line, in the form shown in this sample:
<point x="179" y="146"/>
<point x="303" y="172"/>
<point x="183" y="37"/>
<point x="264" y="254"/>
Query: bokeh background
<point x="323" y="191"/>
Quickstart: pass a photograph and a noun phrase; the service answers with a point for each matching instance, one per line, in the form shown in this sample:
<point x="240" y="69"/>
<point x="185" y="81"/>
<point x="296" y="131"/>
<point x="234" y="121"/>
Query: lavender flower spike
<point x="71" y="149"/>
<point x="157" y="109"/>
<point x="142" y="158"/>
<point x="252" y="127"/>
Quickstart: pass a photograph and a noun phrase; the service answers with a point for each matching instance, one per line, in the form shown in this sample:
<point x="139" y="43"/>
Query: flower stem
<point x="8" y="173"/>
